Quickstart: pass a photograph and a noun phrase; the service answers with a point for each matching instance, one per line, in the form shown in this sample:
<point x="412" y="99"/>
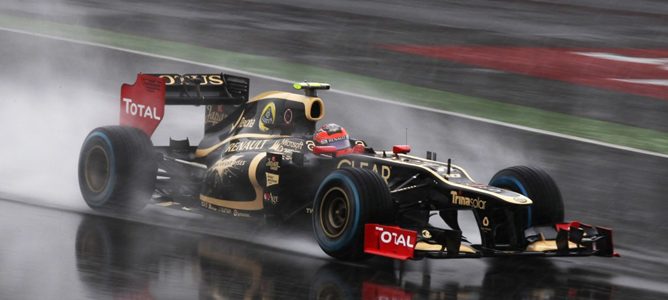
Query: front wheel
<point x="547" y="207"/>
<point x="346" y="200"/>
<point x="117" y="169"/>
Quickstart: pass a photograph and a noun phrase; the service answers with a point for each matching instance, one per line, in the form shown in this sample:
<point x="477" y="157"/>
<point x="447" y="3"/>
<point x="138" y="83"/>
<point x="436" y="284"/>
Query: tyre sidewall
<point x="547" y="207"/>
<point x="351" y="232"/>
<point x="98" y="199"/>
<point x="509" y="180"/>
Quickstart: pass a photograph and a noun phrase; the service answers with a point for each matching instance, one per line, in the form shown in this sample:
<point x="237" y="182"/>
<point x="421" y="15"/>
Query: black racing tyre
<point x="117" y="169"/>
<point x="547" y="207"/>
<point x="346" y="200"/>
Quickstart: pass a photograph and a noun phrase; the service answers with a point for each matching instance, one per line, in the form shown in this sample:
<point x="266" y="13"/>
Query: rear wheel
<point x="346" y="200"/>
<point x="547" y="207"/>
<point x="117" y="169"/>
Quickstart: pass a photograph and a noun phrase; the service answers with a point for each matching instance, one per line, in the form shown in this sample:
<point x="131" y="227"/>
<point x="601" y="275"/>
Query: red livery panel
<point x="390" y="241"/>
<point x="143" y="103"/>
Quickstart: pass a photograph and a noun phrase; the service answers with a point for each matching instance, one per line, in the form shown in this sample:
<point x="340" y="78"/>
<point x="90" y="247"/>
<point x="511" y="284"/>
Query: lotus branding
<point x="267" y="117"/>
<point x="205" y="79"/>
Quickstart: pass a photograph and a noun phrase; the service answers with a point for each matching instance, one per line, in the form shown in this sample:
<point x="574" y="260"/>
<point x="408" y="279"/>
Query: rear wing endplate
<point x="143" y="103"/>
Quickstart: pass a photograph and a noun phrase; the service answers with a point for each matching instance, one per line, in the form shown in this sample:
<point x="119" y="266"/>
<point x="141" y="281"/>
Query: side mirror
<point x="317" y="150"/>
<point x="401" y="149"/>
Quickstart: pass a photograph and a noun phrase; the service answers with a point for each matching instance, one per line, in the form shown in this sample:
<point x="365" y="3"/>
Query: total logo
<point x="140" y="110"/>
<point x="394" y="238"/>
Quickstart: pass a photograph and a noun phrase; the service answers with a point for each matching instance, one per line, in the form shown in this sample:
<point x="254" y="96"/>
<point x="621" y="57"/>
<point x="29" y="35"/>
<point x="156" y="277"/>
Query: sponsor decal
<point x="214" y="114"/>
<point x="267" y="117"/>
<point x="237" y="213"/>
<point x="272" y="164"/>
<point x="280" y="145"/>
<point x="225" y="168"/>
<point x="142" y="104"/>
<point x="389" y="241"/>
<point x="272" y="179"/>
<point x="310" y="145"/>
<point x="284" y="145"/>
<point x="467" y="201"/>
<point x="216" y="208"/>
<point x="485" y="221"/>
<point x="309" y="210"/>
<point x="397" y="239"/>
<point x="271" y="198"/>
<point x="206" y="79"/>
<point x="248" y="145"/>
<point x="246" y="123"/>
<point x="426" y="234"/>
<point x="140" y="110"/>
<point x="334" y="139"/>
<point x="384" y="171"/>
<point x="287" y="116"/>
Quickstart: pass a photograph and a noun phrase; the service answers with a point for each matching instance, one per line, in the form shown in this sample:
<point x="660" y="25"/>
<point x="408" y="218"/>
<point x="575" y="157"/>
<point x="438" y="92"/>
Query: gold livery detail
<point x="255" y="203"/>
<point x="203" y="79"/>
<point x="284" y="145"/>
<point x="227" y="168"/>
<point x="246" y="123"/>
<point x="467" y="201"/>
<point x="384" y="171"/>
<point x="247" y="145"/>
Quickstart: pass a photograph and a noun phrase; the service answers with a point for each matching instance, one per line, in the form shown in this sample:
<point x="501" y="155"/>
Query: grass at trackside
<point x="640" y="138"/>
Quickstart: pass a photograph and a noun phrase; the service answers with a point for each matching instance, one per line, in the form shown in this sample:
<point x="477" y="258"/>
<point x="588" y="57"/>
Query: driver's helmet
<point x="332" y="135"/>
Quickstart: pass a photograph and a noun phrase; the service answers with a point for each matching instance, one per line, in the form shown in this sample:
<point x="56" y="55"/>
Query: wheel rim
<point x="97" y="169"/>
<point x="335" y="212"/>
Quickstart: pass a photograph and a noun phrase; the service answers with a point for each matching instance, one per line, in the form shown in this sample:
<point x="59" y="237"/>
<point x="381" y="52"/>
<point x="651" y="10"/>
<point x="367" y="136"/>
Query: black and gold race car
<point x="264" y="158"/>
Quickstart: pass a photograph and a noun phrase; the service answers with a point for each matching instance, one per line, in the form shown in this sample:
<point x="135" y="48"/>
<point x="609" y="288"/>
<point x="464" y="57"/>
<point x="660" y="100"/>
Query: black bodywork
<point x="258" y="161"/>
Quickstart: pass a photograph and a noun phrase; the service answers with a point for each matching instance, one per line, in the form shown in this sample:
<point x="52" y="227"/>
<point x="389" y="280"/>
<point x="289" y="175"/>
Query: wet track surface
<point x="106" y="258"/>
<point x="67" y="251"/>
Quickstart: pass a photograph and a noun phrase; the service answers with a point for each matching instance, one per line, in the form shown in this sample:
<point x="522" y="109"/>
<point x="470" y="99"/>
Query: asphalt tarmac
<point x="54" y="92"/>
<point x="54" y="254"/>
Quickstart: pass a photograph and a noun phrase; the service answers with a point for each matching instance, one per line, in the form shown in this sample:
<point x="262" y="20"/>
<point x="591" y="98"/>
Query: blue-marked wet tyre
<point x="346" y="200"/>
<point x="547" y="207"/>
<point x="117" y="169"/>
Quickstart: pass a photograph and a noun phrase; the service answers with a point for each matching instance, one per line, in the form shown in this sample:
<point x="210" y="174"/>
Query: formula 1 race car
<point x="265" y="158"/>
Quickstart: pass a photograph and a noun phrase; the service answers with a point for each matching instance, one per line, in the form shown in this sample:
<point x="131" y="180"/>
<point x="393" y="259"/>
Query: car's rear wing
<point x="204" y="89"/>
<point x="143" y="103"/>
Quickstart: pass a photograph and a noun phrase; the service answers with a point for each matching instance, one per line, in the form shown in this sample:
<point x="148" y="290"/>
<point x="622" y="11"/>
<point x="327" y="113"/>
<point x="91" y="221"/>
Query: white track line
<point x="272" y="78"/>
